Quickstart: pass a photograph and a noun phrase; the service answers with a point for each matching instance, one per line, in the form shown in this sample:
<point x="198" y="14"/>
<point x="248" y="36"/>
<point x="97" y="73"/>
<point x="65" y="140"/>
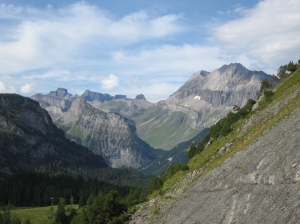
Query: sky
<point x="139" y="46"/>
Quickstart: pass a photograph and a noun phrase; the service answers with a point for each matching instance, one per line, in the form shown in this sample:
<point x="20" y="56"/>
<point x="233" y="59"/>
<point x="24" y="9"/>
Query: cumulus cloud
<point x="27" y="88"/>
<point x="269" y="32"/>
<point x="40" y="38"/>
<point x="4" y="89"/>
<point x="109" y="82"/>
<point x="175" y="60"/>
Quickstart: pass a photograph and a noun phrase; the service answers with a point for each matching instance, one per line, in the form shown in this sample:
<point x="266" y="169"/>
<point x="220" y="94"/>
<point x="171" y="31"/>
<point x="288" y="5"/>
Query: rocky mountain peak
<point x="60" y="93"/>
<point x="79" y="105"/>
<point x="91" y="96"/>
<point x="140" y="97"/>
<point x="102" y="97"/>
<point x="229" y="85"/>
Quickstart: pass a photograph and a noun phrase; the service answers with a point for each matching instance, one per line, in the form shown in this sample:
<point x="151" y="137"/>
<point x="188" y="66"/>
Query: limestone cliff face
<point x="28" y="138"/>
<point x="229" y="85"/>
<point x="108" y="134"/>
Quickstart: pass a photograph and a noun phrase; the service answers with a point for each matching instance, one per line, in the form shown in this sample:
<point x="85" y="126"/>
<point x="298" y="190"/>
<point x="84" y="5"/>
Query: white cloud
<point x="42" y="38"/>
<point x="268" y="33"/>
<point x="4" y="89"/>
<point x="174" y="60"/>
<point x="27" y="88"/>
<point x="109" y="82"/>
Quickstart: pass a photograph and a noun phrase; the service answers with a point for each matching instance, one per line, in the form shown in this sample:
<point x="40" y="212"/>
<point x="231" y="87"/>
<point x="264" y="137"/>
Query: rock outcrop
<point x="140" y="97"/>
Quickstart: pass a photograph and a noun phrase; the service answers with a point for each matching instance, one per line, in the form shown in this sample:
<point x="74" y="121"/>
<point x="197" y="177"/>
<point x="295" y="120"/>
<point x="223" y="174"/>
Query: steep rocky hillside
<point x="198" y="104"/>
<point x="108" y="134"/>
<point x="28" y="138"/>
<point x="248" y="176"/>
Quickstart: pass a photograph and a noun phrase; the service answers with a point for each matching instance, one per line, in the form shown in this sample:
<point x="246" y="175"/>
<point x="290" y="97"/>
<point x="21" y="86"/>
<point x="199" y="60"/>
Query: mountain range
<point x="126" y="131"/>
<point x="105" y="133"/>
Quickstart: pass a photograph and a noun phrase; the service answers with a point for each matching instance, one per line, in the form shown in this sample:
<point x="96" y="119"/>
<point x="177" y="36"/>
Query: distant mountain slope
<point x="199" y="103"/>
<point x="28" y="139"/>
<point x="105" y="133"/>
<point x="108" y="134"/>
<point x="177" y="155"/>
<point x="91" y="96"/>
<point x="130" y="108"/>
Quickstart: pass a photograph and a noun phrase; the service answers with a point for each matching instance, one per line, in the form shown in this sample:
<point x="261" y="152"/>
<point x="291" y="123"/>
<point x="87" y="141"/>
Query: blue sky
<point x="139" y="46"/>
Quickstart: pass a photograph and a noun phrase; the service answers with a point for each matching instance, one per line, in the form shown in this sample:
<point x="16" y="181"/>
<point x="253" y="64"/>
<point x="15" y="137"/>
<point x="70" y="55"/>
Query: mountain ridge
<point x="28" y="136"/>
<point x="250" y="175"/>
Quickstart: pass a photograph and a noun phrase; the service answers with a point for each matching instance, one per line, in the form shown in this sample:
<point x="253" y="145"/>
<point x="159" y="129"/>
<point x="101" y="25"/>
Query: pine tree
<point x="60" y="214"/>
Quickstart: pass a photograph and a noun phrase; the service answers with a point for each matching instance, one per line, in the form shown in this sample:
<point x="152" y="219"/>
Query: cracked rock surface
<point x="260" y="184"/>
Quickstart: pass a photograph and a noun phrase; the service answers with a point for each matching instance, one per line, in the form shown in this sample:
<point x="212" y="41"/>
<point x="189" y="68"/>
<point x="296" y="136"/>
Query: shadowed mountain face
<point x="28" y="138"/>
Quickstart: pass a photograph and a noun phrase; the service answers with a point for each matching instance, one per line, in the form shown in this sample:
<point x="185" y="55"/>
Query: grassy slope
<point x="171" y="129"/>
<point x="39" y="215"/>
<point x="210" y="158"/>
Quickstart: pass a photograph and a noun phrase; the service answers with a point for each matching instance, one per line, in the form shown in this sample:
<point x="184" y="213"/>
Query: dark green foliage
<point x="286" y="70"/>
<point x="91" y="199"/>
<point x="268" y="95"/>
<point x="106" y="208"/>
<point x="155" y="184"/>
<point x="265" y="85"/>
<point x="60" y="216"/>
<point x="27" y="221"/>
<point x="265" y="89"/>
<point x="7" y="218"/>
<point x="222" y="127"/>
<point x="114" y="176"/>
<point x="192" y="151"/>
<point x="37" y="190"/>
<point x="174" y="168"/>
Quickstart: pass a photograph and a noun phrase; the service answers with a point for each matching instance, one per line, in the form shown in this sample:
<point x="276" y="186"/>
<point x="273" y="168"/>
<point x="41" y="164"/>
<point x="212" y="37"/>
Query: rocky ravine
<point x="105" y="133"/>
<point x="108" y="134"/>
<point x="260" y="184"/>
